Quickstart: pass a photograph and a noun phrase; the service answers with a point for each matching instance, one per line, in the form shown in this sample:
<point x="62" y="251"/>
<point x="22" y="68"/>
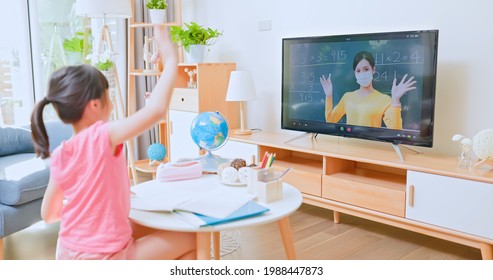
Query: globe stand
<point x="211" y="162"/>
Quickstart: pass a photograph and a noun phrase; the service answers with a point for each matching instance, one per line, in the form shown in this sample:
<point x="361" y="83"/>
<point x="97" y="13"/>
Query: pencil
<point x="272" y="160"/>
<point x="284" y="173"/>
<point x="264" y="160"/>
<point x="267" y="165"/>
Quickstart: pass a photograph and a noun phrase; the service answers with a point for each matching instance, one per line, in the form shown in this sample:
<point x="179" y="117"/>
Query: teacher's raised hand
<point x="398" y="90"/>
<point x="326" y="85"/>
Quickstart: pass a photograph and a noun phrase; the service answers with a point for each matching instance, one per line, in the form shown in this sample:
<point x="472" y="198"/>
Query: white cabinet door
<point x="181" y="143"/>
<point x="458" y="204"/>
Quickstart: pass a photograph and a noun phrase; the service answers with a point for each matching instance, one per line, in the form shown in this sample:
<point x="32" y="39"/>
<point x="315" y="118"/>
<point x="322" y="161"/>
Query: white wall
<point x="465" y="51"/>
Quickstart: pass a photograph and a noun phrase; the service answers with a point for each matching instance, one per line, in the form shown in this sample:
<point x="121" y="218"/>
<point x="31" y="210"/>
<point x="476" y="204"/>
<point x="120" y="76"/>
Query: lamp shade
<point x="55" y="11"/>
<point x="103" y="8"/>
<point x="240" y="87"/>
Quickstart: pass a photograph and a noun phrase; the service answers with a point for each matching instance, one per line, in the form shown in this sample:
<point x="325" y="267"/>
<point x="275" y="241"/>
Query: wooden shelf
<point x="148" y="24"/>
<point x="141" y="72"/>
<point x="307" y="165"/>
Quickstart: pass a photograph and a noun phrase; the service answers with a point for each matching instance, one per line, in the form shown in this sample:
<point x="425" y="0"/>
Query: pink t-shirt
<point x="96" y="188"/>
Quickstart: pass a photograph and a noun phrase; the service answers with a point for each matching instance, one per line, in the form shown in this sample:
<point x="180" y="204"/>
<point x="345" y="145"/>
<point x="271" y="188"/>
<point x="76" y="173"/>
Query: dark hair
<point x="363" y="55"/>
<point x="70" y="89"/>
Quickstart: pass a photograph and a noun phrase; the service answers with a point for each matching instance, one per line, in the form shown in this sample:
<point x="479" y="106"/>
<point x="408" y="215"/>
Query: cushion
<point x="23" y="178"/>
<point x="15" y="140"/>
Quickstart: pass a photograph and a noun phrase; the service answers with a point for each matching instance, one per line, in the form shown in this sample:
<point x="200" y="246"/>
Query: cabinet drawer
<point x="306" y="182"/>
<point x="384" y="199"/>
<point x="457" y="204"/>
<point x="185" y="99"/>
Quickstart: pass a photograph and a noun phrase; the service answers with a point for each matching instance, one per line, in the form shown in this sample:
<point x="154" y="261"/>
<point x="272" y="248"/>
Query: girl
<point x="89" y="189"/>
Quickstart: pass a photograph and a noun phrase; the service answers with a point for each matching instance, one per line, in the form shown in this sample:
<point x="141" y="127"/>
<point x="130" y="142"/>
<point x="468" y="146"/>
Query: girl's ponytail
<point x="70" y="89"/>
<point x="38" y="130"/>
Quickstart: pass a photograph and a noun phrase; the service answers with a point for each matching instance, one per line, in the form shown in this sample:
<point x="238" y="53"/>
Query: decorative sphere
<point x="156" y="151"/>
<point x="209" y="130"/>
<point x="482" y="144"/>
<point x="229" y="175"/>
<point x="243" y="174"/>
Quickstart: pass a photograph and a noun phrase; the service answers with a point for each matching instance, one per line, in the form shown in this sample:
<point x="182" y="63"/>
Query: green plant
<point x="157" y="4"/>
<point x="194" y="34"/>
<point x="74" y="44"/>
<point x="102" y="61"/>
<point x="104" y="65"/>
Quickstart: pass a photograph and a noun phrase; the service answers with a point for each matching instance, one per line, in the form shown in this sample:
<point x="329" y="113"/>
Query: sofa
<point x="23" y="176"/>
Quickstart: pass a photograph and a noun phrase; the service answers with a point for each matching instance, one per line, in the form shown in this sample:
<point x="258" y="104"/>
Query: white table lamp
<point x="240" y="88"/>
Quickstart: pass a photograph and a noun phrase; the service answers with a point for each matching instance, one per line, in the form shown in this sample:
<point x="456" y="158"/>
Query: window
<point x="16" y="83"/>
<point x="40" y="36"/>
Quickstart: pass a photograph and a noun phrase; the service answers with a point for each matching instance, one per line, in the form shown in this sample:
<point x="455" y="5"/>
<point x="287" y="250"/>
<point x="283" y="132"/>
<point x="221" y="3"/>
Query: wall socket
<point x="264" y="25"/>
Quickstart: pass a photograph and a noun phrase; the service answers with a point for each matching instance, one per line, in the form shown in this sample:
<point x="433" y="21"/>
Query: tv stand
<point x="313" y="136"/>
<point x="427" y="193"/>
<point x="399" y="153"/>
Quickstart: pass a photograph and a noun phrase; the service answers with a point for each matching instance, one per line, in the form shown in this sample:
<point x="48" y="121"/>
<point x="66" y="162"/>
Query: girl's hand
<point x="402" y="88"/>
<point x="167" y="49"/>
<point x="326" y="85"/>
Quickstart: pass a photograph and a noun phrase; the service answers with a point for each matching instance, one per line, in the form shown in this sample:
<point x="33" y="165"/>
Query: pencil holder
<point x="268" y="191"/>
<point x="255" y="174"/>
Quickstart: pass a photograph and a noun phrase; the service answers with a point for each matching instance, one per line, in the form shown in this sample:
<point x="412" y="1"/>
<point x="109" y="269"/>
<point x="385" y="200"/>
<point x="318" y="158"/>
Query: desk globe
<point x="209" y="130"/>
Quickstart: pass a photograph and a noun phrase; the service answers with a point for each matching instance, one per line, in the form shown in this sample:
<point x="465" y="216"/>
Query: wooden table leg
<point x="216" y="240"/>
<point x="287" y="238"/>
<point x="486" y="251"/>
<point x="203" y="245"/>
<point x="337" y="217"/>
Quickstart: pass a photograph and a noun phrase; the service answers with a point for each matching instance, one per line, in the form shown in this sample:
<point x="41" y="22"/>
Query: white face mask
<point x="364" y="78"/>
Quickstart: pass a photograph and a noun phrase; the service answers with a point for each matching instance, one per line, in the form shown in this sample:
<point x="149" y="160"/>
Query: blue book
<point x="250" y="209"/>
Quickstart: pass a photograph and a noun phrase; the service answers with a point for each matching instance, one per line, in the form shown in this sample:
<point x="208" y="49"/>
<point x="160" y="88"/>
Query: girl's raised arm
<point x="158" y="103"/>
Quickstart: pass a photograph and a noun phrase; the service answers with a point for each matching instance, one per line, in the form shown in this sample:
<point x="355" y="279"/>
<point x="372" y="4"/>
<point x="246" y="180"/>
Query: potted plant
<point x="194" y="38"/>
<point x="104" y="63"/>
<point x="157" y="10"/>
<point x="74" y="48"/>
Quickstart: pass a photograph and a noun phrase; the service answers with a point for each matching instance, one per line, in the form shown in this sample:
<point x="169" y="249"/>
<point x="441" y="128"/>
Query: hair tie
<point x="46" y="100"/>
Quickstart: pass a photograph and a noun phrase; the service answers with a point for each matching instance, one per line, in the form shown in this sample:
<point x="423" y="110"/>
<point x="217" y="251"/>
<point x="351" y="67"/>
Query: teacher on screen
<point x="366" y="106"/>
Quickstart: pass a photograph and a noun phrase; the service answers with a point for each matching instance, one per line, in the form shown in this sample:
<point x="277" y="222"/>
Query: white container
<point x="157" y="15"/>
<point x="252" y="176"/>
<point x="268" y="192"/>
<point x="196" y="54"/>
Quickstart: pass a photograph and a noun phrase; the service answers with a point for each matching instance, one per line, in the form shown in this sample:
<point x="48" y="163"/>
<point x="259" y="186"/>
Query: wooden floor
<point x="314" y="233"/>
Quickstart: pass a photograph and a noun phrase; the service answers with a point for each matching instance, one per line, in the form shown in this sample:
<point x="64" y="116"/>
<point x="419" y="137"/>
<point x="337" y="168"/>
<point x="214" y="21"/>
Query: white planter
<point x="196" y="54"/>
<point x="110" y="76"/>
<point x="157" y="16"/>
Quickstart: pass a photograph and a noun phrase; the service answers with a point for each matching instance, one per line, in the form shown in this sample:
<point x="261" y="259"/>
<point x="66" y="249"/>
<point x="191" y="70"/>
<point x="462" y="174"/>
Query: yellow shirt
<point x="366" y="111"/>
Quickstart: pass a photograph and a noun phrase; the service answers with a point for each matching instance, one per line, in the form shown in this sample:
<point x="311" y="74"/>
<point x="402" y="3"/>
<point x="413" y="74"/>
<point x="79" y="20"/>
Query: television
<point x="376" y="86"/>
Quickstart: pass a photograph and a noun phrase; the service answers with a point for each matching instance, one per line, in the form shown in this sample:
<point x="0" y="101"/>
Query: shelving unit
<point x="134" y="73"/>
<point x="209" y="95"/>
<point x="426" y="193"/>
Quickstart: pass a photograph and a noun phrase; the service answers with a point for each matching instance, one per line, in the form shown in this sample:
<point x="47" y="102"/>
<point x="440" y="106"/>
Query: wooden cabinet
<point x="427" y="193"/>
<point x="457" y="204"/>
<point x="209" y="95"/>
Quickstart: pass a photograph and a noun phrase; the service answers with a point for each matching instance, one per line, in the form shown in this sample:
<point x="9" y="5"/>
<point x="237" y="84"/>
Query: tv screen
<point x="378" y="86"/>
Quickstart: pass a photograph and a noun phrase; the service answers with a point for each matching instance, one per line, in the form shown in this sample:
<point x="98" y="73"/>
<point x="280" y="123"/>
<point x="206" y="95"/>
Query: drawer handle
<point x="183" y="99"/>
<point x="411" y="196"/>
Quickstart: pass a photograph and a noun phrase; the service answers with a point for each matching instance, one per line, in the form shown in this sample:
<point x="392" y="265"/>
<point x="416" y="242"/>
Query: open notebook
<point x="217" y="203"/>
